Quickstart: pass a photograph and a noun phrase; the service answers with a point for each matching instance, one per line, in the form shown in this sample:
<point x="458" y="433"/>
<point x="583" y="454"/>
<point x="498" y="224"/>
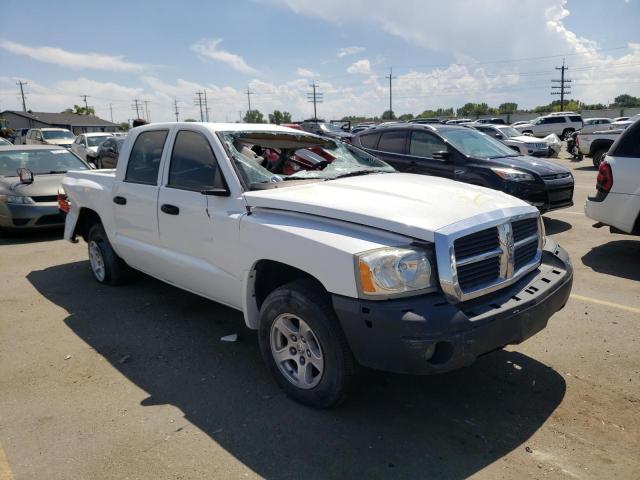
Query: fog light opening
<point x="442" y="353"/>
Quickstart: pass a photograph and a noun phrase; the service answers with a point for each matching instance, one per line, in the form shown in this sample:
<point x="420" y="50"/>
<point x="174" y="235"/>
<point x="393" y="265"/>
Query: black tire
<point x="566" y="133"/>
<point x="307" y="300"/>
<point x="598" y="156"/>
<point x="116" y="271"/>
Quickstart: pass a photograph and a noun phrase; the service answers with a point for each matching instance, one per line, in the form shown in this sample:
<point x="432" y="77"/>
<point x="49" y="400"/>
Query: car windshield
<point x="96" y="140"/>
<point x="56" y="134"/>
<point x="277" y="151"/>
<point x="509" y="132"/>
<point x="475" y="144"/>
<point x="329" y="127"/>
<point x="40" y="162"/>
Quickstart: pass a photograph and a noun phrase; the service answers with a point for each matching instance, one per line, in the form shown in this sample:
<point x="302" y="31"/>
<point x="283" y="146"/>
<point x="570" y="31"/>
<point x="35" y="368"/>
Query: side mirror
<point x="441" y="155"/>
<point x="25" y="175"/>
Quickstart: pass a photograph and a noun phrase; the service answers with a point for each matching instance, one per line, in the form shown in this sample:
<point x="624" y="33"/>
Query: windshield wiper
<point x="356" y="173"/>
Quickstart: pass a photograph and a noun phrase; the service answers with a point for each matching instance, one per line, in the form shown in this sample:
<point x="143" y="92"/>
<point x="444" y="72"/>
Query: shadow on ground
<point x="19" y="237"/>
<point x="620" y="258"/>
<point x="447" y="426"/>
<point x="554" y="226"/>
<point x="589" y="168"/>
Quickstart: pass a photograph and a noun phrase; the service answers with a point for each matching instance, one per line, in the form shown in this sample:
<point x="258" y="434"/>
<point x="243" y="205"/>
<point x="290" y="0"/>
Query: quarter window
<point x="193" y="164"/>
<point x="144" y="161"/>
<point x="392" y="142"/>
<point x="370" y="140"/>
<point x="424" y="144"/>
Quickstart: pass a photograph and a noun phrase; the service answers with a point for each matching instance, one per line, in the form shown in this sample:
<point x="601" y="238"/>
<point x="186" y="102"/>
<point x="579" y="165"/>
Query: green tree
<point x="388" y="115"/>
<point x="508" y="107"/>
<point x="626" y="100"/>
<point x="406" y="116"/>
<point x="286" y="117"/>
<point x="279" y="117"/>
<point x="77" y="109"/>
<point x="124" y="126"/>
<point x="253" y="116"/>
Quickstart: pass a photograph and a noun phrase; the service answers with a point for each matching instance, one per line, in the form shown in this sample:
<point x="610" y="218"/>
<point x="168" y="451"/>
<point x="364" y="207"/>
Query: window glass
<point x="424" y="144"/>
<point x="193" y="164"/>
<point x="575" y="118"/>
<point x="628" y="145"/>
<point x="393" y="141"/>
<point x="40" y="162"/>
<point x="144" y="160"/>
<point x="370" y="140"/>
<point x="474" y="144"/>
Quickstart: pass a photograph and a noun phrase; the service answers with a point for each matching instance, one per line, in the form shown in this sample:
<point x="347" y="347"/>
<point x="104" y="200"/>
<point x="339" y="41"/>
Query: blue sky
<point x="443" y="54"/>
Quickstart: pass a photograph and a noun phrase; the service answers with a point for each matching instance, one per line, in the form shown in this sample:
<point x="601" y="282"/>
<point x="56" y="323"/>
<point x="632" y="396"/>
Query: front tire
<point x="598" y="156"/>
<point x="303" y="344"/>
<point x="107" y="267"/>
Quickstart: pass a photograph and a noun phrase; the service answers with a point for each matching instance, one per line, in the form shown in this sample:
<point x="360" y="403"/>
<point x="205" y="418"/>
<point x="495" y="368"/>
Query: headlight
<point x="513" y="175"/>
<point x="394" y="270"/>
<point x="19" y="199"/>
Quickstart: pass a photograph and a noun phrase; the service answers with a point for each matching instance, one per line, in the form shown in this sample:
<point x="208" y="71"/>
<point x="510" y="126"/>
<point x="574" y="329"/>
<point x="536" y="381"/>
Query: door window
<point x="424" y="144"/>
<point x="370" y="140"/>
<point x="144" y="161"/>
<point x="393" y="142"/>
<point x="193" y="164"/>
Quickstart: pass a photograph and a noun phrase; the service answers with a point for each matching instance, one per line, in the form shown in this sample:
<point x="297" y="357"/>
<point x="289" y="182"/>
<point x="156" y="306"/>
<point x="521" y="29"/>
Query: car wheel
<point x="107" y="267"/>
<point x="598" y="156"/>
<point x="303" y="344"/>
<point x="566" y="133"/>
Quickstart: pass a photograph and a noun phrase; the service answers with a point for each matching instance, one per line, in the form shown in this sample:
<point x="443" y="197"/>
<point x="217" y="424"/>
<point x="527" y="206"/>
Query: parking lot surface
<point x="133" y="382"/>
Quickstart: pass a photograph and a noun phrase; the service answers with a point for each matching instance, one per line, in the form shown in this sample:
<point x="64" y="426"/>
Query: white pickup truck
<point x="596" y="144"/>
<point x="352" y="264"/>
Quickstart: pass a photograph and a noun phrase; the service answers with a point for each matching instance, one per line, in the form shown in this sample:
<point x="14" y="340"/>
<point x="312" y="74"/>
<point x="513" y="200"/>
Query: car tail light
<point x="63" y="203"/>
<point x="604" y="182"/>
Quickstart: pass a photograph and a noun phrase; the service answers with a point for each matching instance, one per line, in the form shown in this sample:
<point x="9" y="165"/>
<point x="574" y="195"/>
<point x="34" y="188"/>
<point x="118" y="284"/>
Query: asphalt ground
<point x="134" y="383"/>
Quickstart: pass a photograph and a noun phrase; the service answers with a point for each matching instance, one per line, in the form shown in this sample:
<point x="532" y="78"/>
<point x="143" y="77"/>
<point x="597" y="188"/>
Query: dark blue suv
<point x="469" y="156"/>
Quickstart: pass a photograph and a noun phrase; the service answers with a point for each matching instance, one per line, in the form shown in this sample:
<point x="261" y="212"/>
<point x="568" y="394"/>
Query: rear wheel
<point x="566" y="133"/>
<point x="303" y="344"/>
<point x="107" y="267"/>
<point x="598" y="156"/>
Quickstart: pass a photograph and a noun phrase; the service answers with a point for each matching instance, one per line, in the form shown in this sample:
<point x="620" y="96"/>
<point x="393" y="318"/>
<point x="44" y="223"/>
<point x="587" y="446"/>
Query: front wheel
<point x="598" y="156"/>
<point x="107" y="267"/>
<point x="303" y="344"/>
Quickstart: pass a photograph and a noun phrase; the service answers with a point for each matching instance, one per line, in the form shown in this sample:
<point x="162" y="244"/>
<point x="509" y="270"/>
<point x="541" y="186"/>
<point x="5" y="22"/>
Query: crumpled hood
<point x="42" y="185"/>
<point x="412" y="205"/>
<point x="526" y="139"/>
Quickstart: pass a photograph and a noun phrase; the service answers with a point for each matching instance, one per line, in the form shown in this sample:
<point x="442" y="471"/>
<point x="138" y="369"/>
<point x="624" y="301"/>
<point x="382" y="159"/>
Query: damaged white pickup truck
<point x="343" y="263"/>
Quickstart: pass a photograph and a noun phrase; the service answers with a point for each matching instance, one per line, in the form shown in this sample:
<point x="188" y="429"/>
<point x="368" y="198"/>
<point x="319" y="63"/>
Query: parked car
<point x="326" y="129"/>
<point x="425" y="120"/>
<point x="517" y="141"/>
<point x="622" y="124"/>
<point x="466" y="155"/>
<point x="4" y="142"/>
<point x="353" y="264"/>
<point x="621" y="119"/>
<point x="19" y="136"/>
<point x="561" y="125"/>
<point x="30" y="177"/>
<point x="86" y="145"/>
<point x="595" y="145"/>
<point x="458" y="121"/>
<point x="295" y="126"/>
<point x="492" y="121"/>
<point x="520" y="122"/>
<point x="50" y="136"/>
<point x="595" y="125"/>
<point x="617" y="201"/>
<point x="108" y="152"/>
<point x="359" y="128"/>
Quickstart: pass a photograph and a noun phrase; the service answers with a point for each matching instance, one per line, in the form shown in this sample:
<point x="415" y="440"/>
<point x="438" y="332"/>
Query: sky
<point x="443" y="54"/>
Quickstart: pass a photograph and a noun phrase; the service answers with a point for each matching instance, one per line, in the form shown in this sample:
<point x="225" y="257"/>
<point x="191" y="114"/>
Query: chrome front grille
<point x="488" y="256"/>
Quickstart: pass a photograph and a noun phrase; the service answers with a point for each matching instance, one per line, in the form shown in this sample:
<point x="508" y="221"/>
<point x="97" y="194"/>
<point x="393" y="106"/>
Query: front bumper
<point x="427" y="334"/>
<point x="15" y="216"/>
<point x="545" y="195"/>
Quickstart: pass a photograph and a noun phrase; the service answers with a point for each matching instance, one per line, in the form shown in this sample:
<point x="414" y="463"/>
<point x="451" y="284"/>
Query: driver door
<point x="422" y="145"/>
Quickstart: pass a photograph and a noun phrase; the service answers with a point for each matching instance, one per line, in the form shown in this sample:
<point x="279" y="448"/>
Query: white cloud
<point x="343" y="52"/>
<point x="64" y="58"/>
<point x="361" y="66"/>
<point x="208" y="48"/>
<point x="305" y="72"/>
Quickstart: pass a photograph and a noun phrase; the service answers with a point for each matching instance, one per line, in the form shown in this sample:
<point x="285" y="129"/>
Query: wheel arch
<point x="86" y="219"/>
<point x="599" y="145"/>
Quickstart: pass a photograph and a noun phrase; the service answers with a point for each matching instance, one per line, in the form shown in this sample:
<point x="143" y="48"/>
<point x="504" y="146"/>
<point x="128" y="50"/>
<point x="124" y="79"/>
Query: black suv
<point x="469" y="156"/>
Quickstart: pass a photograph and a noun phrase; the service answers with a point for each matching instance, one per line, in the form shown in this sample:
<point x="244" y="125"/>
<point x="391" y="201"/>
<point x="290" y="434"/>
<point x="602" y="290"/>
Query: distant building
<point x="74" y="122"/>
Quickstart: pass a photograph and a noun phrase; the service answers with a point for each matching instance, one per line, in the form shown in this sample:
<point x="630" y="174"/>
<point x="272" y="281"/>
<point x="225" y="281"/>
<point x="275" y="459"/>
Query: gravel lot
<point x="134" y="383"/>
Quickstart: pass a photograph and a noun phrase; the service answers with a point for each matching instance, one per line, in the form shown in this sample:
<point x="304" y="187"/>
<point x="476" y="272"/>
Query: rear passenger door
<point x="422" y="145"/>
<point x="392" y="147"/>
<point x="195" y="223"/>
<point x="135" y="203"/>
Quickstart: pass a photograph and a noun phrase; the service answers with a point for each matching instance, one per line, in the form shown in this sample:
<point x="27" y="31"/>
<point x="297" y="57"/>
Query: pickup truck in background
<point x="595" y="145"/>
<point x="354" y="264"/>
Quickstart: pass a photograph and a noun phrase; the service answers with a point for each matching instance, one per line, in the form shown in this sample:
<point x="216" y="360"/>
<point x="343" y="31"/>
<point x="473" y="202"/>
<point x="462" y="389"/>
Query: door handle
<point x="459" y="172"/>
<point x="120" y="200"/>
<point x="170" y="209"/>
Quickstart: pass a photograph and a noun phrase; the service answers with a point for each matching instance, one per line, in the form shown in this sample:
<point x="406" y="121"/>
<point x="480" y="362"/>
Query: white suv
<point x="617" y="201"/>
<point x="596" y="125"/>
<point x="561" y="125"/>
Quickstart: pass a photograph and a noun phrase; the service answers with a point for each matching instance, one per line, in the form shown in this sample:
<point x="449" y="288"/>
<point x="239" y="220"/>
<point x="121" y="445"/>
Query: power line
<point x="563" y="90"/>
<point x="22" y="84"/>
<point x="136" y="106"/>
<point x="390" y="77"/>
<point x="199" y="102"/>
<point x="315" y="97"/>
<point x="175" y="106"/>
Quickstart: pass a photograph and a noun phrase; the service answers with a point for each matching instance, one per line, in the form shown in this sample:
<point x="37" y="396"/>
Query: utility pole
<point x="315" y="97"/>
<point x="564" y="90"/>
<point x="206" y="105"/>
<point x="111" y="111"/>
<point x="86" y="105"/>
<point x="175" y="107"/>
<point x="22" y="84"/>
<point x="198" y="102"/>
<point x="146" y="107"/>
<point x="136" y="106"/>
<point x="249" y="93"/>
<point x="390" y="77"/>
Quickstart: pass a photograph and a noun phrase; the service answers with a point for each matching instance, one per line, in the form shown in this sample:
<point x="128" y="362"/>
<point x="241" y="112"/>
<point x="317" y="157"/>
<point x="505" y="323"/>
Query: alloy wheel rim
<point x="96" y="261"/>
<point x="296" y="350"/>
